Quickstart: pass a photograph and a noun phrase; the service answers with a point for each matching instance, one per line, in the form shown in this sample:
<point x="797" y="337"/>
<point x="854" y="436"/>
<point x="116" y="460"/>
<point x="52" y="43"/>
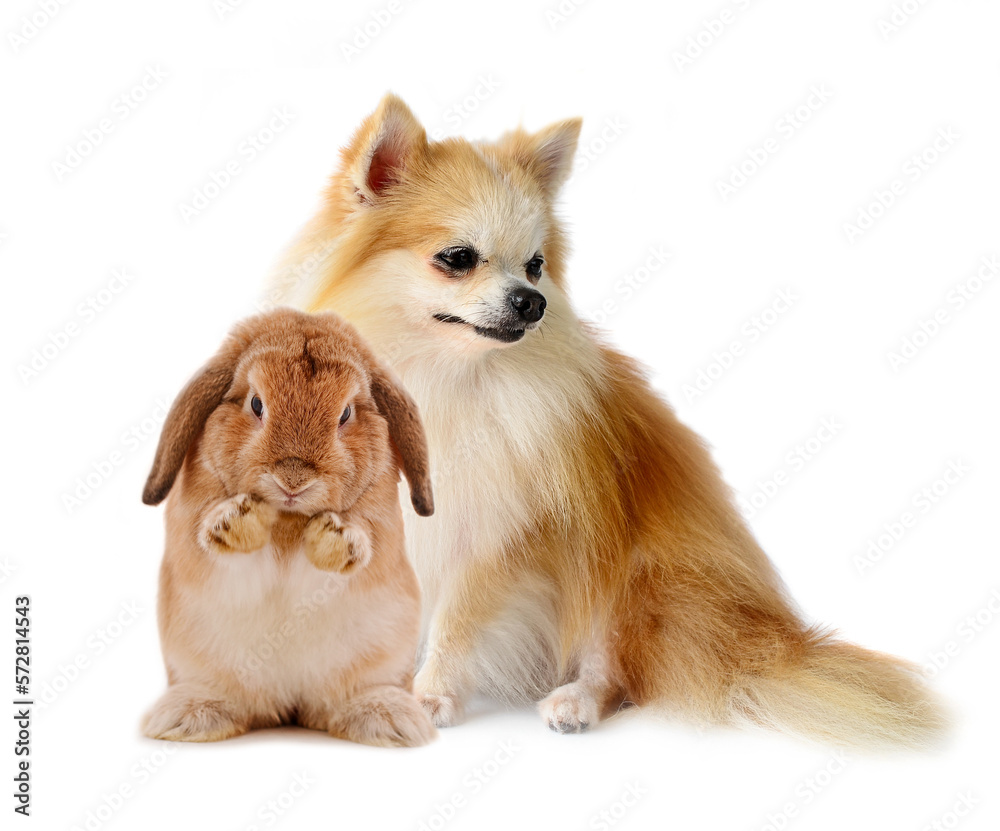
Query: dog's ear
<point x="547" y="154"/>
<point x="385" y="143"/>
<point x="407" y="433"/>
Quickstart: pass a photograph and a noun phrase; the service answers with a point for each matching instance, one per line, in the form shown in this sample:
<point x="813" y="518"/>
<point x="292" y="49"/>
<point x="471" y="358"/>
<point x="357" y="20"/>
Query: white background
<point x="651" y="181"/>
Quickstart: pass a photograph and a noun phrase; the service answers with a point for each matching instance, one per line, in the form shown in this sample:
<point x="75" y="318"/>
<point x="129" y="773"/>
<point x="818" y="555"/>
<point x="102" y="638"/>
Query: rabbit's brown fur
<point x="285" y="593"/>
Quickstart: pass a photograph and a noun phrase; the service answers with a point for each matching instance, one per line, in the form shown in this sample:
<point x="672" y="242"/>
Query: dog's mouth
<point x="503" y="334"/>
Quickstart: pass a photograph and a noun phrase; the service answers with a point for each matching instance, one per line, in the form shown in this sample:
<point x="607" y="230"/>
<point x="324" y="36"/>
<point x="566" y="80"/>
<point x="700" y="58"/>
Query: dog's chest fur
<point x="498" y="434"/>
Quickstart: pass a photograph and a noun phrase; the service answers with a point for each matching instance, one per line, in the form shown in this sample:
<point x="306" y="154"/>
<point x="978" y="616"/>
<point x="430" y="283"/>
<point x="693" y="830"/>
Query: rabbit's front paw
<point x="240" y="524"/>
<point x="334" y="545"/>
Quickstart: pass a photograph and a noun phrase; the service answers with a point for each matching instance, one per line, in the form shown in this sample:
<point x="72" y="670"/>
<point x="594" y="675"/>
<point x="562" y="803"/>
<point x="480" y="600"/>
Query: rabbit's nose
<point x="293" y="475"/>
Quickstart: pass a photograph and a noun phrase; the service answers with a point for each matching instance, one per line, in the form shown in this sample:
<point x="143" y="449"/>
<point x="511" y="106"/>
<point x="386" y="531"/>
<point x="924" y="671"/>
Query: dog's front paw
<point x="570" y="708"/>
<point x="444" y="707"/>
<point x="240" y="524"/>
<point x="334" y="545"/>
<point x="444" y="710"/>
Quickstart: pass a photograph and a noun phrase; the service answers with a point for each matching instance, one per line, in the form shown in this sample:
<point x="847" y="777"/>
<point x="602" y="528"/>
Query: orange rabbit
<point x="285" y="592"/>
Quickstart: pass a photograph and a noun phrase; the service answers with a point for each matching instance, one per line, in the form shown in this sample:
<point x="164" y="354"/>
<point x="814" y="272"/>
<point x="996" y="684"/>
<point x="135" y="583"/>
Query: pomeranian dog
<point x="585" y="552"/>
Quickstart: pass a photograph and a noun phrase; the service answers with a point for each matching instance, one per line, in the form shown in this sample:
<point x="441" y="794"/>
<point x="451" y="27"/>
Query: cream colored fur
<point x="585" y="551"/>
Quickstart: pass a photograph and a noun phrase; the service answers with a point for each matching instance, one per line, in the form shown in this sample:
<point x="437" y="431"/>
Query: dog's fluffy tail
<point x="707" y="624"/>
<point x="842" y="694"/>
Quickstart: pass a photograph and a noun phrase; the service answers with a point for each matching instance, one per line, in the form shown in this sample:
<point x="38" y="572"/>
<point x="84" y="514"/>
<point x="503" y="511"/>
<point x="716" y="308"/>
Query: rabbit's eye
<point x="257" y="406"/>
<point x="346" y="414"/>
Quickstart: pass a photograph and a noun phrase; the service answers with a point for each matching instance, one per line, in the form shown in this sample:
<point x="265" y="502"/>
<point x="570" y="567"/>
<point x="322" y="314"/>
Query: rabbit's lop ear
<point x="407" y="433"/>
<point x="202" y="394"/>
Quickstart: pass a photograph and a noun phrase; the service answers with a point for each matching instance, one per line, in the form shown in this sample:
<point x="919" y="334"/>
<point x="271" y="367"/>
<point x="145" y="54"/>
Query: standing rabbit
<point x="285" y="592"/>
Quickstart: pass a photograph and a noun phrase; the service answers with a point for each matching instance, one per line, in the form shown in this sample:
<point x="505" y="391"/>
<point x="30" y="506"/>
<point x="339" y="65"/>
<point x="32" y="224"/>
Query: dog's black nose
<point x="529" y="304"/>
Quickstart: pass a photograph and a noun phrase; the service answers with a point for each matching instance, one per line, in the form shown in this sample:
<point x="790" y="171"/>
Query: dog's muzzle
<point x="525" y="308"/>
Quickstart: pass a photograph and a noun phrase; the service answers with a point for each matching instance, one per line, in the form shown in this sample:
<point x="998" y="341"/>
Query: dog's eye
<point x="534" y="268"/>
<point x="257" y="406"/>
<point x="458" y="259"/>
<point x="346" y="414"/>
